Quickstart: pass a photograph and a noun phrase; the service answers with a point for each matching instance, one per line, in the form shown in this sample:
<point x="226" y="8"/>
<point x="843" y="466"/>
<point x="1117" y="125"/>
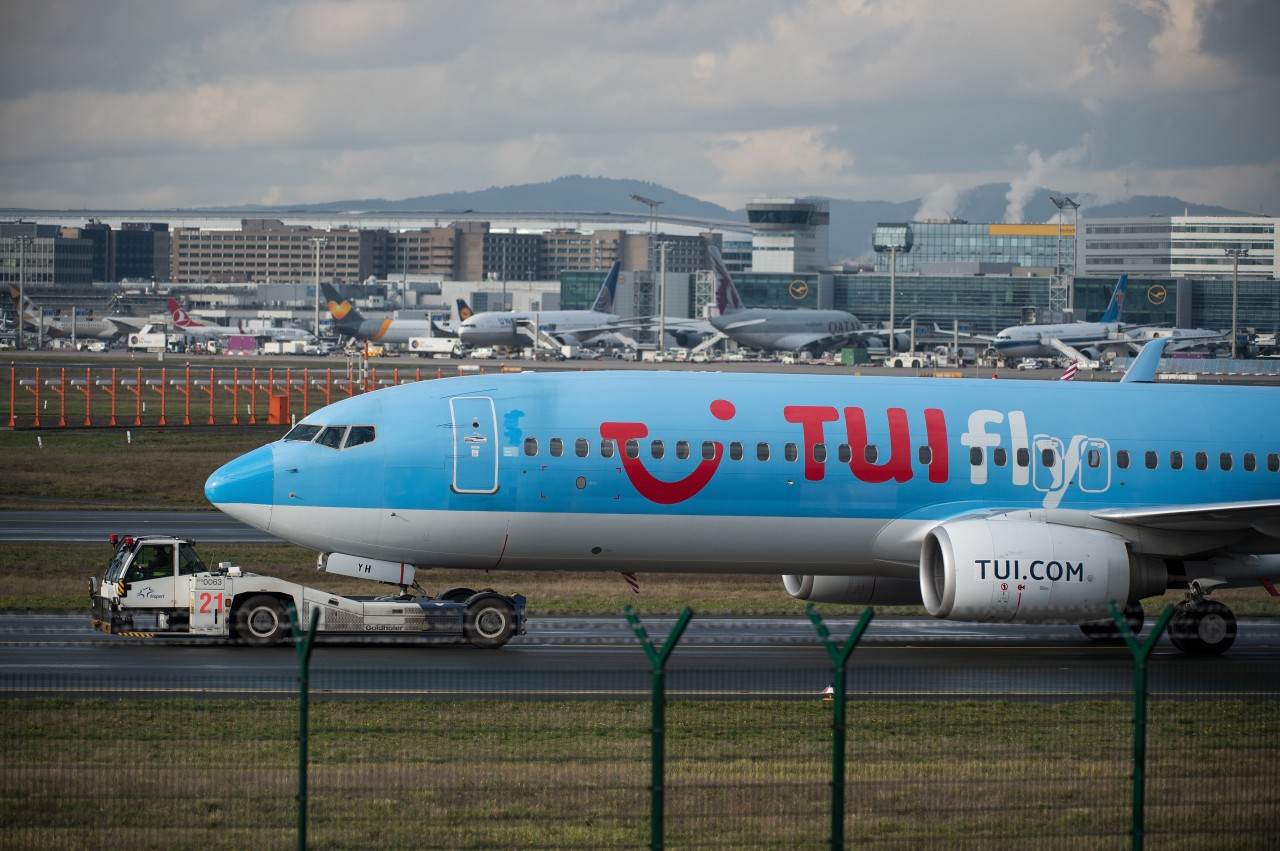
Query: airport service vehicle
<point x="157" y="585"/>
<point x="912" y="360"/>
<point x="435" y="347"/>
<point x="152" y="338"/>
<point x="286" y="347"/>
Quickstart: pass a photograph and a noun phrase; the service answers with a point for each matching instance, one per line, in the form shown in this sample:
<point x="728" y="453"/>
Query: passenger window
<point x="581" y="447"/>
<point x="844" y="454"/>
<point x="1023" y="457"/>
<point x="1048" y="458"/>
<point x="1250" y="462"/>
<point x="531" y="446"/>
<point x="735" y="451"/>
<point x="975" y="456"/>
<point x="1202" y="461"/>
<point x="820" y="453"/>
<point x="332" y="436"/>
<point x="632" y="448"/>
<point x="682" y="449"/>
<point x="762" y="452"/>
<point x="606" y="448"/>
<point x="1122" y="459"/>
<point x="303" y="431"/>
<point x="1273" y="463"/>
<point x="1000" y="456"/>
<point x="557" y="447"/>
<point x="925" y="454"/>
<point x="790" y="451"/>
<point x="657" y="449"/>
<point x="357" y="435"/>
<point x="1224" y="461"/>
<point x="708" y="450"/>
<point x="1175" y="460"/>
<point x="871" y="453"/>
<point x="1152" y="460"/>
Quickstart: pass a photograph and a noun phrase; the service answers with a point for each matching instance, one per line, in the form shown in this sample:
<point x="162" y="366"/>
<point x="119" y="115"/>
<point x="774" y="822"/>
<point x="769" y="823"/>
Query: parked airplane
<point x="986" y="500"/>
<point x="186" y="325"/>
<point x="515" y="327"/>
<point x="82" y="328"/>
<point x="1036" y="341"/>
<point x="780" y="329"/>
<point x="1180" y="339"/>
<point x="350" y="323"/>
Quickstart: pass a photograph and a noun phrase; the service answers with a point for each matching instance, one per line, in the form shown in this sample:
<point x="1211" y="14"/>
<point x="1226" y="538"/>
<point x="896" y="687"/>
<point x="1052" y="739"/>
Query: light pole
<point x="893" y="238"/>
<point x="1235" y="254"/>
<point x="318" y="242"/>
<point x="893" y="289"/>
<point x="23" y="242"/>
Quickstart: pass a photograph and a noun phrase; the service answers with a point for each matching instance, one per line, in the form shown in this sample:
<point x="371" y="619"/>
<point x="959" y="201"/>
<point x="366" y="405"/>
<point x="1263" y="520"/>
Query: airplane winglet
<point x="1143" y="368"/>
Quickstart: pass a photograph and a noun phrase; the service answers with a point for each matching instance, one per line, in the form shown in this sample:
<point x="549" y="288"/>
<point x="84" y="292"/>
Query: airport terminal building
<point x="984" y="276"/>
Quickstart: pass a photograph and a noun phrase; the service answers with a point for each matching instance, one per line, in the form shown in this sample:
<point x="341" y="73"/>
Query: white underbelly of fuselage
<point x="606" y="542"/>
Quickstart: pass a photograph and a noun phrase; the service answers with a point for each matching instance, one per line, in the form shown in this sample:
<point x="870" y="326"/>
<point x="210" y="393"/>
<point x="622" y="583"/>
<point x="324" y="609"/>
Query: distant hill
<point x="852" y="222"/>
<point x="571" y="194"/>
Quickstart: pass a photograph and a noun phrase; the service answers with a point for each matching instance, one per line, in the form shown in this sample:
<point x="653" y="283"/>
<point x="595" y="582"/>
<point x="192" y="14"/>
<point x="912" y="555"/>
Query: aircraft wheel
<point x="456" y="595"/>
<point x="490" y="623"/>
<point x="1109" y="632"/>
<point x="1205" y="628"/>
<point x="261" y="621"/>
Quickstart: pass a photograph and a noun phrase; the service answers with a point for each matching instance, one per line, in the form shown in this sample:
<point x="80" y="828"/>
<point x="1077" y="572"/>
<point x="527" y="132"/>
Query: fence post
<point x="1140" y="653"/>
<point x="302" y="644"/>
<point x="839" y="658"/>
<point x="13" y="383"/>
<point x="658" y="661"/>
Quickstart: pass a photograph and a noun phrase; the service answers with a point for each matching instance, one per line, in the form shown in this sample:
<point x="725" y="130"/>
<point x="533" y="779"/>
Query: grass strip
<point x="566" y="774"/>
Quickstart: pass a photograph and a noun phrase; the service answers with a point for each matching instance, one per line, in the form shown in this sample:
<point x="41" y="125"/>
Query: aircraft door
<point x="1048" y="463"/>
<point x="475" y="445"/>
<point x="1095" y="465"/>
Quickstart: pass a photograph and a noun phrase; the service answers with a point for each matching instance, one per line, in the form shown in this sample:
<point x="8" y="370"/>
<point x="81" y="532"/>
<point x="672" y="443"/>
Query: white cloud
<point x="295" y="101"/>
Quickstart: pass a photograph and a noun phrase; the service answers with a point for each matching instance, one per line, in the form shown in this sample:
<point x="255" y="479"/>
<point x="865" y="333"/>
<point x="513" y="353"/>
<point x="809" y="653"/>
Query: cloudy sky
<point x="141" y="103"/>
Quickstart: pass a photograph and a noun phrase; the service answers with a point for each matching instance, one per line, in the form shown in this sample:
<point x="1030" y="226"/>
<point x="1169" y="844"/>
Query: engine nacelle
<point x="1015" y="570"/>
<point x="853" y="590"/>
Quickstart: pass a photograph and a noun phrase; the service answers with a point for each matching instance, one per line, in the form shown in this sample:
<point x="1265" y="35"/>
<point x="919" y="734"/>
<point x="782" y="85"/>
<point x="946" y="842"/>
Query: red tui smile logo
<point x="652" y="488"/>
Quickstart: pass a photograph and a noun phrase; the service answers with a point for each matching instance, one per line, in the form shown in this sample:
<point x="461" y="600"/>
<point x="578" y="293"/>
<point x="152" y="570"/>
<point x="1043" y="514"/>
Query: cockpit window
<point x="303" y="431"/>
<point x="331" y="436"/>
<point x="358" y="435"/>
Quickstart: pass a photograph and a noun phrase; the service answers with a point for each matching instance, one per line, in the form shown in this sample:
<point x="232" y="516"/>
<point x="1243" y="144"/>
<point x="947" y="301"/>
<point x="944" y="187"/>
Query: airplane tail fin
<point x="344" y="313"/>
<point x="727" y="298"/>
<point x="1116" y="307"/>
<point x="463" y="309"/>
<point x="180" y="317"/>
<point x="604" y="301"/>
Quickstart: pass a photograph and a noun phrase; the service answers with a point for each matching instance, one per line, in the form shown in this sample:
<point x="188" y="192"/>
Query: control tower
<point x="789" y="235"/>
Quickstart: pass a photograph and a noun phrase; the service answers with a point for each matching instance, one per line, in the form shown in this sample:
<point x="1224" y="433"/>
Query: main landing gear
<point x="1199" y="625"/>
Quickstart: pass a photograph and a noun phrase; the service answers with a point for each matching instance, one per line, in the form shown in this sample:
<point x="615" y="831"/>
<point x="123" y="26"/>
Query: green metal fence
<point x="491" y="759"/>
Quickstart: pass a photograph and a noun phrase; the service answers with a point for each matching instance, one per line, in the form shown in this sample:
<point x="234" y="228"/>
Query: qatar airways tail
<point x="1026" y="501"/>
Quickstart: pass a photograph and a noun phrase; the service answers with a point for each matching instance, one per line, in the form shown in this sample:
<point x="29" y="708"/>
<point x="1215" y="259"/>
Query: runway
<point x="600" y="658"/>
<point x="97" y="526"/>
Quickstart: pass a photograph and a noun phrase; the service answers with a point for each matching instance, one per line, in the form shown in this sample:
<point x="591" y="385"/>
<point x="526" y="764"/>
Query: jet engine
<point x="857" y="590"/>
<point x="1029" y="572"/>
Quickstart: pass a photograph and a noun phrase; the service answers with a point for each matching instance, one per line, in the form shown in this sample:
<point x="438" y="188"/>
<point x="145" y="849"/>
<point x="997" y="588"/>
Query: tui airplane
<point x="984" y="500"/>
